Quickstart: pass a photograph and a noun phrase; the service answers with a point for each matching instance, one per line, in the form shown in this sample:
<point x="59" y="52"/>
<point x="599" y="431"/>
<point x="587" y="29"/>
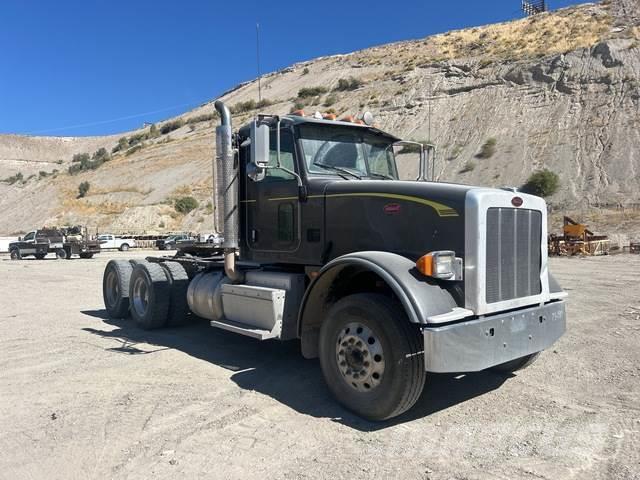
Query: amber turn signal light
<point x="442" y="264"/>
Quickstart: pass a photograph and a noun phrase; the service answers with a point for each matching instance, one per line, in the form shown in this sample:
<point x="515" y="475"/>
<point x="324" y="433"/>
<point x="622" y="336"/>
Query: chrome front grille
<point x="513" y="253"/>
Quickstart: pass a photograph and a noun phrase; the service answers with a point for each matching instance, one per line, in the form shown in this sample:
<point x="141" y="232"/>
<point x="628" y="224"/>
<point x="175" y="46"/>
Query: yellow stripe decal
<point x="441" y="210"/>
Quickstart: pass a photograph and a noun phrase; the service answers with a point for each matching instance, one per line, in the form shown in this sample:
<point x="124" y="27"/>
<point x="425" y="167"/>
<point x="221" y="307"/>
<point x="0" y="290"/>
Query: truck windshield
<point x="347" y="150"/>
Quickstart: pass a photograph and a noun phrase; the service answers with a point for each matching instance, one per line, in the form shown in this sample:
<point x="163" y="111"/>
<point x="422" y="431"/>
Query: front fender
<point x="420" y="296"/>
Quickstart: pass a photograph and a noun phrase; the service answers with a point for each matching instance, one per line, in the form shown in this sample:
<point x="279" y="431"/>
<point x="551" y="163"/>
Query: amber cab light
<point x="442" y="264"/>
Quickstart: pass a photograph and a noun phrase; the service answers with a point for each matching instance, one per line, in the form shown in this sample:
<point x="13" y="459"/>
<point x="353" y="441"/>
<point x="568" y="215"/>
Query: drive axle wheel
<point x="179" y="284"/>
<point x="372" y="356"/>
<point x="149" y="295"/>
<point x="115" y="288"/>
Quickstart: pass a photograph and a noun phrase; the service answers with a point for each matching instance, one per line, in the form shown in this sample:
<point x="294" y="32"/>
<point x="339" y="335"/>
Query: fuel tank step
<point x="244" y="329"/>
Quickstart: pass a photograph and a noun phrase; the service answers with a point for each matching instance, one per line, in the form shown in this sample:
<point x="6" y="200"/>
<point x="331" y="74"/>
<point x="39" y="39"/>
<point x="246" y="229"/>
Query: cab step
<point x="244" y="329"/>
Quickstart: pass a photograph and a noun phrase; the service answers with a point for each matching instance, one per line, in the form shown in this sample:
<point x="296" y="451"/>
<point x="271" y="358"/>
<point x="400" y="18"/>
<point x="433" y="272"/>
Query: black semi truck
<point x="384" y="280"/>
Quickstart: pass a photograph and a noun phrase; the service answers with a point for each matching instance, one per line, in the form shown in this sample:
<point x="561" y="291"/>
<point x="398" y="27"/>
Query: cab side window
<point x="286" y="157"/>
<point x="29" y="236"/>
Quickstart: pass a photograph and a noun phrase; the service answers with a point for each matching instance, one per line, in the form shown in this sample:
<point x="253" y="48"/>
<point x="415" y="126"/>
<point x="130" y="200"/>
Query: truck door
<point x="29" y="241"/>
<point x="272" y="209"/>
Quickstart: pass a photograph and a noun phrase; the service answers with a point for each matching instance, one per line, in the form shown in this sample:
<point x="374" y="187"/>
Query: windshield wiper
<point x="380" y="175"/>
<point x="338" y="169"/>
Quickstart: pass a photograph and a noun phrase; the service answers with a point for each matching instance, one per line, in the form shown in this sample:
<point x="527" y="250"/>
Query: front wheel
<point x="62" y="253"/>
<point x="517" y="364"/>
<point x="15" y="254"/>
<point x="372" y="356"/>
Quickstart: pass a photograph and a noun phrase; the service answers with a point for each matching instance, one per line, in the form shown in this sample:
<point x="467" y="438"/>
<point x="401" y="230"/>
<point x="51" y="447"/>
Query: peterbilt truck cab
<point x="383" y="280"/>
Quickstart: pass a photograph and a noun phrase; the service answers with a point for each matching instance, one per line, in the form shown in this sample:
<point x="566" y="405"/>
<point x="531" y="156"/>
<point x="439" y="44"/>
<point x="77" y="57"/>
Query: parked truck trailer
<point x="383" y="280"/>
<point x="64" y="242"/>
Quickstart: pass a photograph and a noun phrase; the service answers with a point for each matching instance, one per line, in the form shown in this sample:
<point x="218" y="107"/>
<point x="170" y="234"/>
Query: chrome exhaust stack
<point x="227" y="187"/>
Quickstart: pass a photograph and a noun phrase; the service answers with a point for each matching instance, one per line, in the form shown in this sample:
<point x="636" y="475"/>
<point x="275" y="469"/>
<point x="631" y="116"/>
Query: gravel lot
<point x="83" y="396"/>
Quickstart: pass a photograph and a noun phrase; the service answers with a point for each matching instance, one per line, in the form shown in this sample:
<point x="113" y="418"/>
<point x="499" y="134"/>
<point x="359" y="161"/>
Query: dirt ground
<point x="83" y="396"/>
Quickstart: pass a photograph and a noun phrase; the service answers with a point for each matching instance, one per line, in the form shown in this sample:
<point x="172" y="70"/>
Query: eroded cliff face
<point x="559" y="91"/>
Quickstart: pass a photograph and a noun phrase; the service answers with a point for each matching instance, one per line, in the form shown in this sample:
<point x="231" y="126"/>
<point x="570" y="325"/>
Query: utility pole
<point x="258" y="61"/>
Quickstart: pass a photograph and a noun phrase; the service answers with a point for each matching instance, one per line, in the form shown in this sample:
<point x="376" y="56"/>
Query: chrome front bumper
<point x="484" y="342"/>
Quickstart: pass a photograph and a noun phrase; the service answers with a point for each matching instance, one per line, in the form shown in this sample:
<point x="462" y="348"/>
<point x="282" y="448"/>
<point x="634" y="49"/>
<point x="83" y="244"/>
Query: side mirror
<point x="259" y="145"/>
<point x="19" y="239"/>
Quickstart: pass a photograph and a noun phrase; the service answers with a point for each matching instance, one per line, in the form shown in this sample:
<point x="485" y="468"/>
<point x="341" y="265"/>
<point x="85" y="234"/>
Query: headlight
<point x="442" y="264"/>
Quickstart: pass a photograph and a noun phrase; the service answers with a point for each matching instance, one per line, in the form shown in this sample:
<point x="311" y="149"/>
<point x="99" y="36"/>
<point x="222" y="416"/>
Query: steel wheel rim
<point x="113" y="288"/>
<point x="360" y="357"/>
<point x="140" y="296"/>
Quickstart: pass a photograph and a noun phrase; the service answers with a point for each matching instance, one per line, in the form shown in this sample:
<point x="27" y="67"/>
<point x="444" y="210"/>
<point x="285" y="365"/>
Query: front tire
<point x="15" y="254"/>
<point x="517" y="364"/>
<point x="62" y="253"/>
<point x="149" y="295"/>
<point x="371" y="356"/>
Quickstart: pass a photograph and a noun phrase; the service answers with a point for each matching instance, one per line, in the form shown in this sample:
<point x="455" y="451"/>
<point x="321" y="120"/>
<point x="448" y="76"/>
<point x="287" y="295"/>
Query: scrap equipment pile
<point x="577" y="239"/>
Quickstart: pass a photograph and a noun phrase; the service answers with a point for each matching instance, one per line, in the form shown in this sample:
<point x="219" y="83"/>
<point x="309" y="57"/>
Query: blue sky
<point x="106" y="66"/>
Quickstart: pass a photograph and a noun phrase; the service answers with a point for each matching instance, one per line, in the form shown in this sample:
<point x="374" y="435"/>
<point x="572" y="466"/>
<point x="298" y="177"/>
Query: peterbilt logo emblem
<point x="392" y="208"/>
<point x="516" y="201"/>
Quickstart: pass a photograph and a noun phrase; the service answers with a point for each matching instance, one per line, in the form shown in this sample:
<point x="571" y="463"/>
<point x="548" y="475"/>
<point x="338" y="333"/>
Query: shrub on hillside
<point x="346" y="84"/>
<point x="80" y="157"/>
<point x="542" y="183"/>
<point x="311" y="92"/>
<point x="83" y="188"/>
<point x="468" y="167"/>
<point x="185" y="204"/>
<point x="18" y="177"/>
<point x="330" y="100"/>
<point x="170" y="126"/>
<point x="488" y="149"/>
<point x="101" y="155"/>
<point x="205" y="117"/>
<point x="242" y="107"/>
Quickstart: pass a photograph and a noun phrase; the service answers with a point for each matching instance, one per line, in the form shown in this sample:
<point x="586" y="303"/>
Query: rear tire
<point x="15" y="254"/>
<point x="40" y="256"/>
<point x="86" y="255"/>
<point x="371" y="356"/>
<point x="517" y="364"/>
<point x="149" y="295"/>
<point x="62" y="253"/>
<point x="124" y="247"/>
<point x="115" y="288"/>
<point x="179" y="284"/>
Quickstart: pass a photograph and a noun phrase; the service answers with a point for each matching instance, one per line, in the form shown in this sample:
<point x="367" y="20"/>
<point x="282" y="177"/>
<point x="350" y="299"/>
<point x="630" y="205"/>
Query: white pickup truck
<point x="112" y="241"/>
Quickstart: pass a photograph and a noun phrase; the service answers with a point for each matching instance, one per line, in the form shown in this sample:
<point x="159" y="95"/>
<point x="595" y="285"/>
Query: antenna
<point x="533" y="7"/>
<point x="258" y="61"/>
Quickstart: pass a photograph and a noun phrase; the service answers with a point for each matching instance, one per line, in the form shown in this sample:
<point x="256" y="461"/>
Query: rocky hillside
<point x="560" y="90"/>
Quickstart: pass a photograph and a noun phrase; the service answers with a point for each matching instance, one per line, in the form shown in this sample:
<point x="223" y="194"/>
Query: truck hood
<point x="408" y="218"/>
<point x="446" y="199"/>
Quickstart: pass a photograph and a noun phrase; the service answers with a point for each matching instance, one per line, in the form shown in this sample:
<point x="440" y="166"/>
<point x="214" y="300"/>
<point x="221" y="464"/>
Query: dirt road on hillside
<point x="86" y="397"/>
